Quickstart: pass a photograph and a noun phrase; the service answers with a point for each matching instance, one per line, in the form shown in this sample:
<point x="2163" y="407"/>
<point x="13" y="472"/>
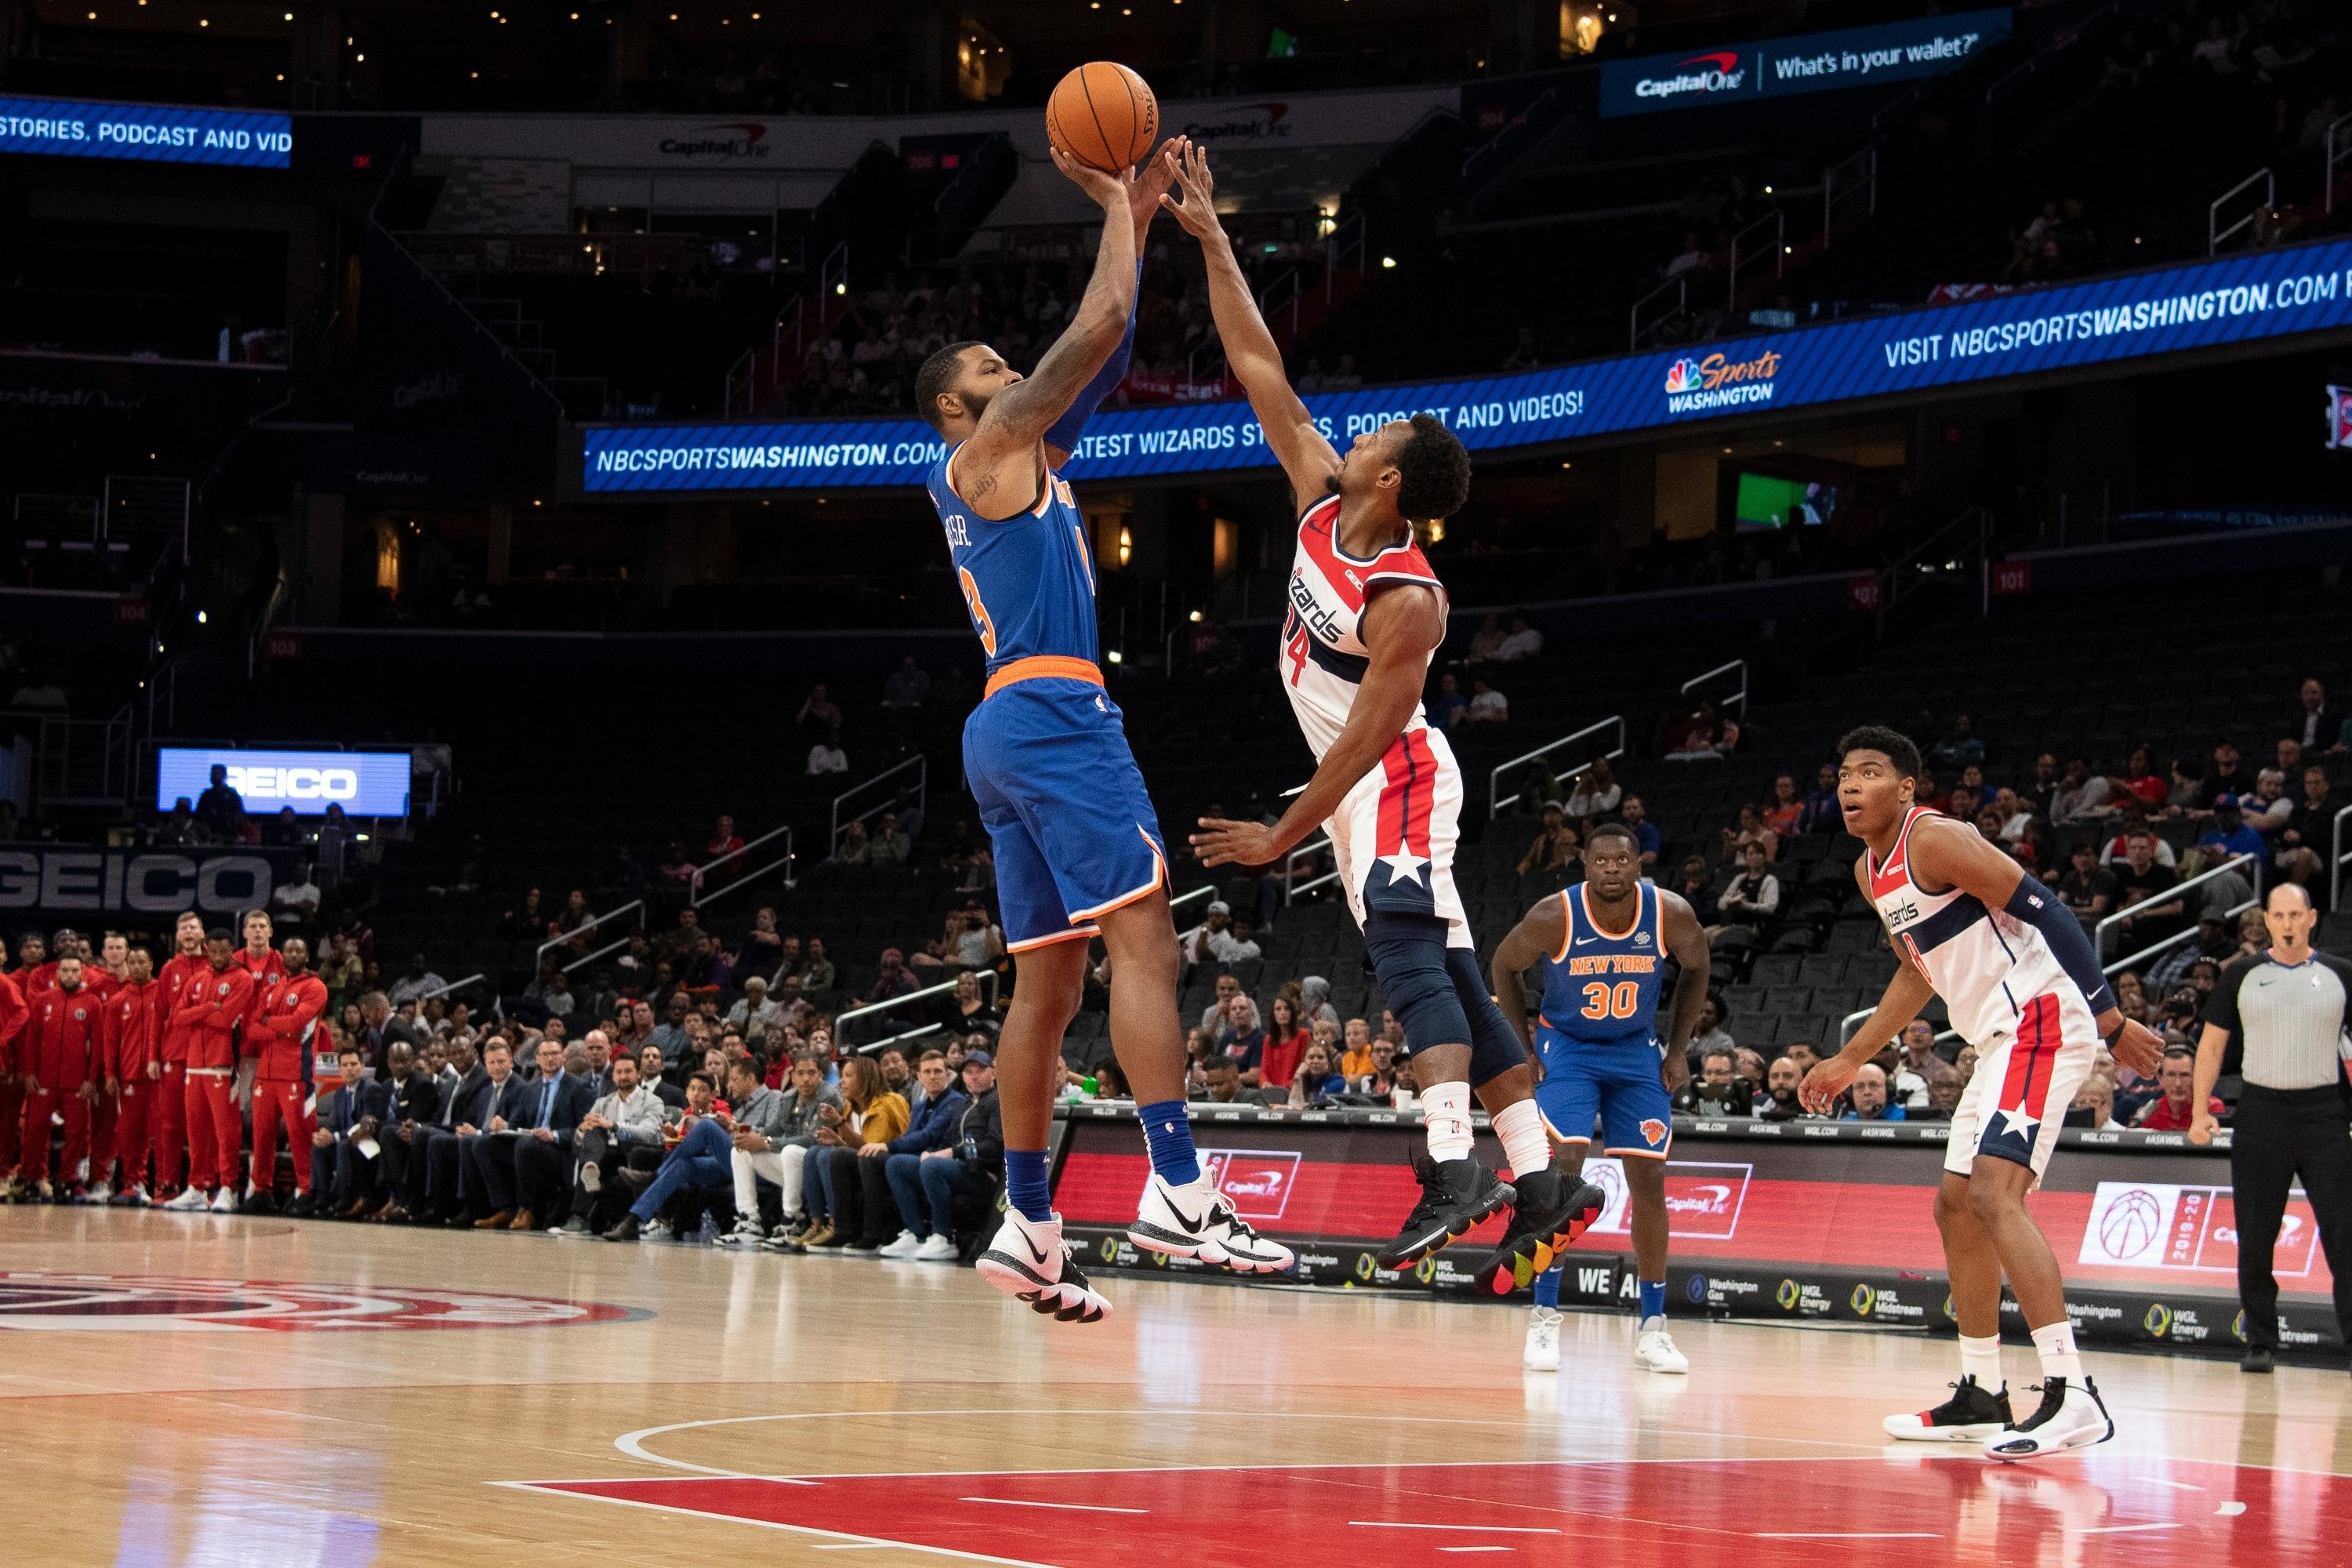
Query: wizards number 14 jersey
<point x="1601" y="987"/>
<point x="1324" y="658"/>
<point x="1026" y="580"/>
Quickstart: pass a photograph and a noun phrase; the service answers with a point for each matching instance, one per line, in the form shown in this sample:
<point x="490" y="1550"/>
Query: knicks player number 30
<point x="1602" y="1000"/>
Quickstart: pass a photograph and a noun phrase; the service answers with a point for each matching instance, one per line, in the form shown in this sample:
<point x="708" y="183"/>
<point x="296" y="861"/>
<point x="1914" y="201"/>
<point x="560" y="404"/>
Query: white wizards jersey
<point x="1987" y="964"/>
<point x="1323" y="654"/>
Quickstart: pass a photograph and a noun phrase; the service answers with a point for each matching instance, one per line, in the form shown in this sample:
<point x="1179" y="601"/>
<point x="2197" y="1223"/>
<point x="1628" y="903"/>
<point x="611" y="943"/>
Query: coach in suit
<point x="345" y="1178"/>
<point x="412" y="1099"/>
<point x="480" y="1101"/>
<point x="519" y="1168"/>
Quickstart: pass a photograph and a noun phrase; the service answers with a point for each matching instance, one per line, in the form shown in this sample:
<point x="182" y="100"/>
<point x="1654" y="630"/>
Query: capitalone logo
<point x="730" y="138"/>
<point x="1718" y="72"/>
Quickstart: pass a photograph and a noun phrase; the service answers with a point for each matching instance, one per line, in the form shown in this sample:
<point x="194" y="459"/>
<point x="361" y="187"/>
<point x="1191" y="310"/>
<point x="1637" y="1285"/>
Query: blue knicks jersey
<point x="1027" y="581"/>
<point x="1601" y="987"/>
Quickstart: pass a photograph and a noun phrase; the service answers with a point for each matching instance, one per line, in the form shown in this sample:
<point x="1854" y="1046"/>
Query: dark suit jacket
<point x="467" y="1100"/>
<point x="573" y="1099"/>
<point x="416" y="1099"/>
<point x="669" y="1094"/>
<point x="507" y="1103"/>
<point x="340" y="1109"/>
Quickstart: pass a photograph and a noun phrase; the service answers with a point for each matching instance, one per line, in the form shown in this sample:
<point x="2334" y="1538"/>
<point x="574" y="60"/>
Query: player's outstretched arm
<point x="1306" y="456"/>
<point x="1018" y="418"/>
<point x="1536" y="937"/>
<point x="1686" y="941"/>
<point x="1143" y="193"/>
<point x="1403" y="626"/>
<point x="1948" y="854"/>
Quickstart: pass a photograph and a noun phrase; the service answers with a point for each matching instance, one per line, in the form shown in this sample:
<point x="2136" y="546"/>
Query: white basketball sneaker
<point x="1543" y="1352"/>
<point x="1196" y="1221"/>
<point x="903" y="1245"/>
<point x="224" y="1202"/>
<point x="1654" y="1348"/>
<point x="1026" y="1260"/>
<point x="2071" y="1416"/>
<point x="935" y="1248"/>
<point x="191" y="1200"/>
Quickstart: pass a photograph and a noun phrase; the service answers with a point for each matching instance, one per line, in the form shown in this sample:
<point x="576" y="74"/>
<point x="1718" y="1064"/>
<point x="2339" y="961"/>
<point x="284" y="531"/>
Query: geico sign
<point x="129" y="881"/>
<point x="295" y="783"/>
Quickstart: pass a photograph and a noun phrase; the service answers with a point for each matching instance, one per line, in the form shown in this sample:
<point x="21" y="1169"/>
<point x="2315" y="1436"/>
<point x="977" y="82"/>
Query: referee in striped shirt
<point x="2285" y="1010"/>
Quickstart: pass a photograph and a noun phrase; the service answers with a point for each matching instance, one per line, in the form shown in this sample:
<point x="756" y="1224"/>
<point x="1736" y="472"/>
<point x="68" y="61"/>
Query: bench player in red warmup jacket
<point x="214" y="1004"/>
<point x="60" y="1075"/>
<point x="130" y="1055"/>
<point x="15" y="1017"/>
<point x="278" y="1038"/>
<point x="179" y="971"/>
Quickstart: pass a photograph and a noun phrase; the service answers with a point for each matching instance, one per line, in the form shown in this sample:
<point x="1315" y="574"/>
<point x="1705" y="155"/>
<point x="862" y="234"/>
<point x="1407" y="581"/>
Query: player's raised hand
<point x="2138" y="1048"/>
<point x="1198" y="211"/>
<point x="1108" y="191"/>
<point x="1152" y="180"/>
<point x="1823" y="1086"/>
<point x="1234" y="843"/>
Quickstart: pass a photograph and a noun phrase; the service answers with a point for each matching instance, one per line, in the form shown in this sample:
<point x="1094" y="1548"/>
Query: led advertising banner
<point x="1820" y="1221"/>
<point x="70" y="884"/>
<point x="2265" y="296"/>
<point x="152" y="132"/>
<point x="1810" y="62"/>
<point x="365" y="784"/>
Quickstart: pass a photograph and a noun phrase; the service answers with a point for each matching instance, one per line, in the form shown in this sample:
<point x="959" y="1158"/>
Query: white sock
<point x="2055" y="1344"/>
<point x="1980" y="1359"/>
<point x="1525" y="1144"/>
<point x="1445" y="1113"/>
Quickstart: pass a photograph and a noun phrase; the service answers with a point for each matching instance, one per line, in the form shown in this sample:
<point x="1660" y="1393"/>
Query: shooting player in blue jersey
<point x="1077" y="840"/>
<point x="1604" y="945"/>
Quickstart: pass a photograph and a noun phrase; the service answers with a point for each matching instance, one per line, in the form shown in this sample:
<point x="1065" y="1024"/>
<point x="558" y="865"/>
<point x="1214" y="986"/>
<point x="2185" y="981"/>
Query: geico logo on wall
<point x="365" y="784"/>
<point x="136" y="882"/>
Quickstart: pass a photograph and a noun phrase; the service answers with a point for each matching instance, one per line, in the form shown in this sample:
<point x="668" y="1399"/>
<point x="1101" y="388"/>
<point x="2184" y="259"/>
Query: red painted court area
<point x="1923" y="1510"/>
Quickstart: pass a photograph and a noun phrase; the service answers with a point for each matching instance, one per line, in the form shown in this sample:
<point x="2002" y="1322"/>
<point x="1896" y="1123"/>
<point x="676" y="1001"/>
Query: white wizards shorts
<point x="2024" y="1082"/>
<point x="1393" y="834"/>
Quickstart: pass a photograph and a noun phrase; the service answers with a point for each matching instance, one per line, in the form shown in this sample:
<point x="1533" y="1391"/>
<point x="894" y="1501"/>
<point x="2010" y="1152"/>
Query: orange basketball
<point x="1103" y="115"/>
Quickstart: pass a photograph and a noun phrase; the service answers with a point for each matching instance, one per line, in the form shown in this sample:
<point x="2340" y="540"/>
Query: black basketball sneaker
<point x="1454" y="1196"/>
<point x="2071" y="1416"/>
<point x="1551" y="1211"/>
<point x="1971" y="1415"/>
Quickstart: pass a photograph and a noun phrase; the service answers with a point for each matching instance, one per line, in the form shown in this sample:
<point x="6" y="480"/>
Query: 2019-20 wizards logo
<point x="36" y="1299"/>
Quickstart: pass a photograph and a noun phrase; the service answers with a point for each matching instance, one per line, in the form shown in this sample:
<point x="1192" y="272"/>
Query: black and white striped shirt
<point x="2287" y="1018"/>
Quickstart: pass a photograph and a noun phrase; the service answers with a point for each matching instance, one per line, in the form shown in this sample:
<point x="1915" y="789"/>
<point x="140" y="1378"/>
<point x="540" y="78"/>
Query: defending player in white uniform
<point x="2023" y="987"/>
<point x="1366" y="614"/>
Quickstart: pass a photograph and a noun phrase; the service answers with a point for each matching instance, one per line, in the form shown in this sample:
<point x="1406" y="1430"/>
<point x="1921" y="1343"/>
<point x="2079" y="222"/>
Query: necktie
<point x="547" y="1103"/>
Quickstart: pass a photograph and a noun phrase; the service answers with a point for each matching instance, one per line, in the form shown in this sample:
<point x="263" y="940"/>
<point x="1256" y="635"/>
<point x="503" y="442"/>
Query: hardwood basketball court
<point x="200" y="1392"/>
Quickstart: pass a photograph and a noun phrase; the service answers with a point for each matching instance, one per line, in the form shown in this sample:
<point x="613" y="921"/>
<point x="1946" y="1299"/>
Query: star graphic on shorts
<point x="1404" y="865"/>
<point x="2020" y="1120"/>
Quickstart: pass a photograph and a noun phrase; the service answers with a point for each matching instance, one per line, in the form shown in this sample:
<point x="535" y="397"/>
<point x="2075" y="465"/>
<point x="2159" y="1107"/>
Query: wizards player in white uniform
<point x="1076" y="842"/>
<point x="1366" y="614"/>
<point x="1604" y="946"/>
<point x="2023" y="987"/>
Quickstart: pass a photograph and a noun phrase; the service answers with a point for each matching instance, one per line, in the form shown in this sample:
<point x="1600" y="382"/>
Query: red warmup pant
<point x="169" y="1119"/>
<point x="275" y="1099"/>
<point x="38" y="1105"/>
<point x="214" y="1131"/>
<point x="12" y="1112"/>
<point x="104" y="1113"/>
<point x="134" y="1130"/>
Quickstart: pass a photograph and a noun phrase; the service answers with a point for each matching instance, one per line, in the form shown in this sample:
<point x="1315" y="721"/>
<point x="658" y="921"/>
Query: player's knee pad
<point x="1495" y="1046"/>
<point x="1408" y="958"/>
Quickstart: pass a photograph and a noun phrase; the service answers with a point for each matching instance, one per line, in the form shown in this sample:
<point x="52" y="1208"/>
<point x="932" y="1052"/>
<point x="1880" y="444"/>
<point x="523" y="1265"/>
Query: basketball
<point x="1104" y="116"/>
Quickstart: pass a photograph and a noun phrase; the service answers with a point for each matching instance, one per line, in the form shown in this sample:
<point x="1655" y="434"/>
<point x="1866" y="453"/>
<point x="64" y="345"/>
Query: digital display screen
<point x="1767" y="500"/>
<point x="365" y="784"/>
<point x="148" y="133"/>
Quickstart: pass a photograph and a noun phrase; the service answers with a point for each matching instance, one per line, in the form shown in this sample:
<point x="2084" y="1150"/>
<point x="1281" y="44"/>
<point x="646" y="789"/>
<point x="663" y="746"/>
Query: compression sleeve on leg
<point x="2039" y="908"/>
<point x="1072" y="425"/>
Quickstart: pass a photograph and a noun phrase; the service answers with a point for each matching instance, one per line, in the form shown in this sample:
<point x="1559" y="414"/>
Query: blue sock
<point x="1170" y="1137"/>
<point x="1024" y="1184"/>
<point x="1653" y="1298"/>
<point x="1548" y="1288"/>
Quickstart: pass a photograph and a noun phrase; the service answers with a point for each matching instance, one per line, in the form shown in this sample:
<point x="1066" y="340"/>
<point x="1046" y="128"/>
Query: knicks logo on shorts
<point x="1653" y="1130"/>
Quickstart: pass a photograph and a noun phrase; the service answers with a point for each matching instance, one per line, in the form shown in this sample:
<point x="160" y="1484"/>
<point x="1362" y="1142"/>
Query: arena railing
<point x="1291" y="885"/>
<point x="2215" y="233"/>
<point x="1737" y="667"/>
<point x="2099" y="932"/>
<point x="1496" y="800"/>
<point x="1637" y="329"/>
<point x="697" y="898"/>
<point x="635" y="905"/>
<point x="1778" y="222"/>
<point x="841" y="1021"/>
<point x="2337" y="858"/>
<point x="918" y="762"/>
<point x="451" y="987"/>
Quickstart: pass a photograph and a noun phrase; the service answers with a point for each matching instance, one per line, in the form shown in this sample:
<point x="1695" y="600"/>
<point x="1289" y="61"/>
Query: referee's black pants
<point x="2280" y="1134"/>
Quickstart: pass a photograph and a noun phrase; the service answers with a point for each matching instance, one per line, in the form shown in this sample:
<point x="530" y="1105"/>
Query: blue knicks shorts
<point x="1073" y="830"/>
<point x="1616" y="1080"/>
